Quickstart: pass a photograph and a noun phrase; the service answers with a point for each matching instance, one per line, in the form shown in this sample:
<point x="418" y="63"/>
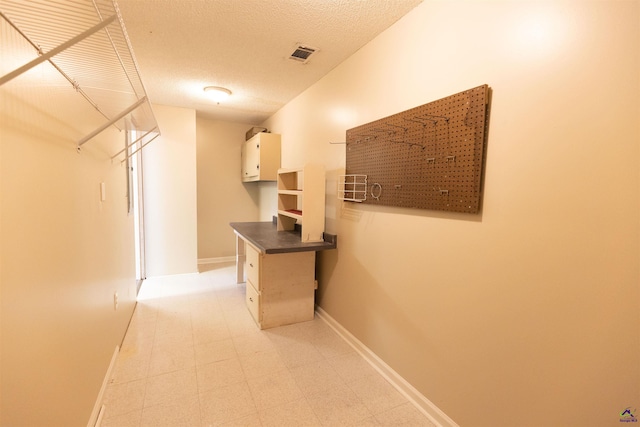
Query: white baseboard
<point x="218" y="260"/>
<point x="424" y="405"/>
<point x="96" y="414"/>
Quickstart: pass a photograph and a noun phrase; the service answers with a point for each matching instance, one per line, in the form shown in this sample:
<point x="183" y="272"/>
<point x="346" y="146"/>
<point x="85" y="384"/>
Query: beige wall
<point x="63" y="255"/>
<point x="170" y="204"/>
<point x="222" y="196"/>
<point x="527" y="314"/>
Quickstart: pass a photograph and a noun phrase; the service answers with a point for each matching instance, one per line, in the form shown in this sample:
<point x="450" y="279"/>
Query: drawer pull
<point x="250" y="265"/>
<point x="251" y="299"/>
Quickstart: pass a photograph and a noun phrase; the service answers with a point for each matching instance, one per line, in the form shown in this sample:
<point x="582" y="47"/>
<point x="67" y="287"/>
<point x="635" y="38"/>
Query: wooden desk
<point x="280" y="272"/>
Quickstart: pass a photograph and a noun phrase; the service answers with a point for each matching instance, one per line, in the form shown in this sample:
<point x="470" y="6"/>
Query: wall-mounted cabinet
<point x="301" y="199"/>
<point x="261" y="157"/>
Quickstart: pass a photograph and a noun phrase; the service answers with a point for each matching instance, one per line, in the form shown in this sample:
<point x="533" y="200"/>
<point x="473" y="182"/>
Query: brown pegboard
<point x="428" y="157"/>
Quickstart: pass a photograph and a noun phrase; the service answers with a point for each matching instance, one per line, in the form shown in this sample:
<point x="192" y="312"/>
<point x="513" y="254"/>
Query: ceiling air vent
<point x="302" y="53"/>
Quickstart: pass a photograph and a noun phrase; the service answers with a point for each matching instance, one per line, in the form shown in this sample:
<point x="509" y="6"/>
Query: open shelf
<point x="301" y="200"/>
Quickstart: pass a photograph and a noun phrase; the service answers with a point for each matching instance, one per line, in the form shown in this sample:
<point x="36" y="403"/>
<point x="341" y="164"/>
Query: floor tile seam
<point x="275" y="406"/>
<point x="132" y="410"/>
<point x="171" y="348"/>
<point x="321" y="391"/>
<point x="272" y="373"/>
<point x="200" y="416"/>
<point x="320" y="419"/>
<point x="200" y="375"/>
<point x="148" y="355"/>
<point x="333" y="370"/>
<point x="200" y="409"/>
<point x="155" y="330"/>
<point x="171" y="393"/>
<point x="146" y="362"/>
<point x="214" y="388"/>
<point x="144" y="397"/>
<point x="215" y="361"/>
<point x="287" y="347"/>
<point x="158" y="345"/>
<point x="166" y="402"/>
<point x="231" y="420"/>
<point x="208" y="325"/>
<point x="391" y="408"/>
<point x="122" y="414"/>
<point x="172" y="371"/>
<point x="255" y="407"/>
<point x="254" y="377"/>
<point x="234" y="340"/>
<point x="271" y="408"/>
<point x="206" y="342"/>
<point x="350" y="385"/>
<point x="116" y="382"/>
<point x="197" y="381"/>
<point x="252" y="352"/>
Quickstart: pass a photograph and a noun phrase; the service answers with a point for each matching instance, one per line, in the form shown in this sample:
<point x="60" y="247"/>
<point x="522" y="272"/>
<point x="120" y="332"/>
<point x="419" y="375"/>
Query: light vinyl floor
<point x="193" y="357"/>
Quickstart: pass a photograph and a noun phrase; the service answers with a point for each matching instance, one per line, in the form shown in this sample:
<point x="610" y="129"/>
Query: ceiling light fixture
<point x="217" y="93"/>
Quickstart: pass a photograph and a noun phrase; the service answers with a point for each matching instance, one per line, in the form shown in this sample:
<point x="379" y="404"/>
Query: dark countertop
<point x="266" y="237"/>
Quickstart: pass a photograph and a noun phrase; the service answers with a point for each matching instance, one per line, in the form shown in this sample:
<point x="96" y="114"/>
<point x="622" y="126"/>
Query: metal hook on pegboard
<point x="379" y="187"/>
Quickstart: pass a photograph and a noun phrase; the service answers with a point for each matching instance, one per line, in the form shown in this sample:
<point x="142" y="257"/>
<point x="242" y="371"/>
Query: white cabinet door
<point x="250" y="160"/>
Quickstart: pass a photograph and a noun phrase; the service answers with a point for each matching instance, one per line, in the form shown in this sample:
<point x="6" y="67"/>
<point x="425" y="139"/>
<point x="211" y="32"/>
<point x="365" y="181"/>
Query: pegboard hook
<point x="379" y="188"/>
<point x="431" y="115"/>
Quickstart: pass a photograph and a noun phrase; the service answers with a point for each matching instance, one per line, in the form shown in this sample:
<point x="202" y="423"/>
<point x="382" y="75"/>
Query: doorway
<point x="136" y="203"/>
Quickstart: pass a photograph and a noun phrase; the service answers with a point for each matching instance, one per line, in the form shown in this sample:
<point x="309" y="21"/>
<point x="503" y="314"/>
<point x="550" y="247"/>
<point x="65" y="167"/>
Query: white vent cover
<point x="302" y="53"/>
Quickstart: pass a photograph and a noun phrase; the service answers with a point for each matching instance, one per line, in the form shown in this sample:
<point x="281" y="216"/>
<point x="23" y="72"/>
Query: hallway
<point x="194" y="357"/>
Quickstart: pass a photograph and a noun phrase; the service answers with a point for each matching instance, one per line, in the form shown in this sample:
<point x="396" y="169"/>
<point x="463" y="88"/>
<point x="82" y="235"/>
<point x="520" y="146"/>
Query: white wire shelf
<point x="352" y="188"/>
<point x="86" y="42"/>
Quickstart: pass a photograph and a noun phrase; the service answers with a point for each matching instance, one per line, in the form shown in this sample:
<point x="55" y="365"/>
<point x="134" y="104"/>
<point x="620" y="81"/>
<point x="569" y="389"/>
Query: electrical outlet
<point x="115" y="300"/>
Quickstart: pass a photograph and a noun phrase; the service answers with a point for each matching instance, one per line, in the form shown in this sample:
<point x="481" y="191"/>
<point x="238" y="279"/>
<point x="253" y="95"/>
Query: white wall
<point x="63" y="254"/>
<point x="170" y="194"/>
<point x="222" y="196"/>
<point x="527" y="314"/>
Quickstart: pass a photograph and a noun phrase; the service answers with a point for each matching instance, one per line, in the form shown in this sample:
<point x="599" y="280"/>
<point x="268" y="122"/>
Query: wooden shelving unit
<point x="301" y="199"/>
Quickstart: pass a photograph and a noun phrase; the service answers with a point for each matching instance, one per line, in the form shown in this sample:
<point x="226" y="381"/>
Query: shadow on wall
<point x="33" y="114"/>
<point x="253" y="191"/>
<point x="25" y="117"/>
<point x="363" y="297"/>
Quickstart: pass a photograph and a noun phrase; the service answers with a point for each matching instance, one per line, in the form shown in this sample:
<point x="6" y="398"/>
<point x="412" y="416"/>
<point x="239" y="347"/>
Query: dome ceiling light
<point x="218" y="94"/>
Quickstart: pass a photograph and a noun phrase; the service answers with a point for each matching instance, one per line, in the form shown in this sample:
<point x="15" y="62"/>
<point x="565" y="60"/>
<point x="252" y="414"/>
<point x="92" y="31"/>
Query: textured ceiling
<point x="244" y="45"/>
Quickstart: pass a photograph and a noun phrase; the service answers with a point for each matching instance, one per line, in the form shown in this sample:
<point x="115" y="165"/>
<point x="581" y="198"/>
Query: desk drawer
<point x="252" y="298"/>
<point x="253" y="266"/>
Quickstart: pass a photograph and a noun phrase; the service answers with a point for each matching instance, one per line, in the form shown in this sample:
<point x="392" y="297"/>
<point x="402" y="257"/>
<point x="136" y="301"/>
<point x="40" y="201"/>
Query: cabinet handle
<point x="250" y="265"/>
<point x="251" y="299"/>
